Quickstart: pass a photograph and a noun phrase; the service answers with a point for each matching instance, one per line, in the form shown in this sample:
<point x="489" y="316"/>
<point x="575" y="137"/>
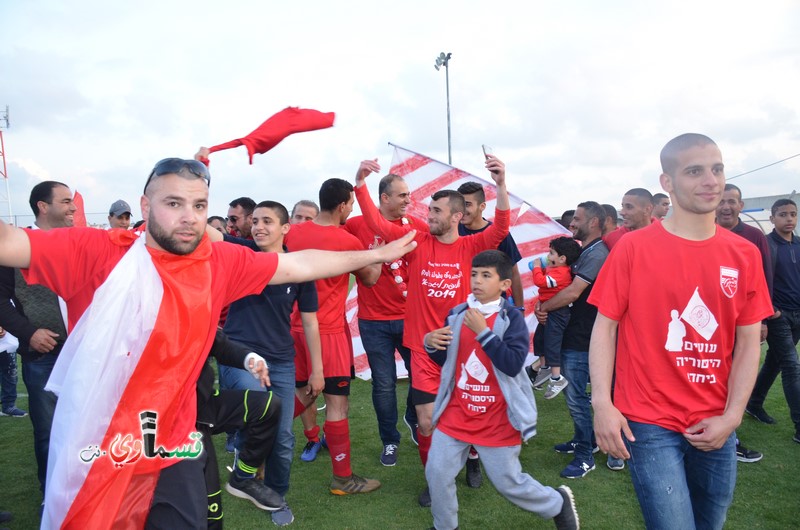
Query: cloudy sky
<point x="577" y="97"/>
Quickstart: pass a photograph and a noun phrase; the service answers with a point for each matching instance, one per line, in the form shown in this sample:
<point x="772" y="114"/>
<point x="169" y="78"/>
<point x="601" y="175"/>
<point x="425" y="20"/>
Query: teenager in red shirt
<point x="685" y="354"/>
<point x="326" y="232"/>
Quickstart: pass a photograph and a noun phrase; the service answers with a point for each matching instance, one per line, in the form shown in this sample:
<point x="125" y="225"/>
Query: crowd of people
<point x="263" y="291"/>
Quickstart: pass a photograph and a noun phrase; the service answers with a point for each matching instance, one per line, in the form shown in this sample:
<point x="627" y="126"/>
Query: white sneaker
<point x="554" y="387"/>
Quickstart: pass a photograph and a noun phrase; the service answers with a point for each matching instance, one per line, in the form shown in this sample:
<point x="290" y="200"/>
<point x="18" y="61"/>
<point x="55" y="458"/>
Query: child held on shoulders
<point x="485" y="400"/>
<point x="550" y="280"/>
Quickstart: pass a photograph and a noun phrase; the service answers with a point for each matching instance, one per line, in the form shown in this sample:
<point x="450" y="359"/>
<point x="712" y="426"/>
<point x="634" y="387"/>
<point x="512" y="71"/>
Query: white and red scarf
<point x="133" y="350"/>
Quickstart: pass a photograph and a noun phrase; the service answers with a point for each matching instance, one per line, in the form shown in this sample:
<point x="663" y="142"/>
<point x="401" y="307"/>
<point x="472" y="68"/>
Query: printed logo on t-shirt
<point x="697" y="315"/>
<point x="728" y="280"/>
<point x="471" y="393"/>
<point x="697" y="359"/>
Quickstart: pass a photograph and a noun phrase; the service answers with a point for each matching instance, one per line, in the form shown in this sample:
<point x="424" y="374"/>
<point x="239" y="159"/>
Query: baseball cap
<point x="119" y="207"/>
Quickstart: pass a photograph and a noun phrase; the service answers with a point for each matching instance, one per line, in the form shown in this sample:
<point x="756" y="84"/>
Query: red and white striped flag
<point x="532" y="229"/>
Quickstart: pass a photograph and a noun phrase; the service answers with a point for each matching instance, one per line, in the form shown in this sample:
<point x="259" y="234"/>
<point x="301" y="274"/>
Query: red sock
<point x="424" y="447"/>
<point x="337" y="433"/>
<point x="299" y="408"/>
<point x="312" y="434"/>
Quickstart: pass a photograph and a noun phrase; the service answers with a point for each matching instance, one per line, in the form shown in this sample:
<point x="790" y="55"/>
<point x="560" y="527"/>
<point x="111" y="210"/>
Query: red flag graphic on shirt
<point x="270" y="133"/>
<point x="531" y="228"/>
<point x="79" y="218"/>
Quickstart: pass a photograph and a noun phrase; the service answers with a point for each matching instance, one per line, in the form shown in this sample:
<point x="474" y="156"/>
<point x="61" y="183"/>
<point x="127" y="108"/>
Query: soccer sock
<point x="337" y="434"/>
<point x="244" y="471"/>
<point x="424" y="447"/>
<point x="313" y="434"/>
<point x="299" y="408"/>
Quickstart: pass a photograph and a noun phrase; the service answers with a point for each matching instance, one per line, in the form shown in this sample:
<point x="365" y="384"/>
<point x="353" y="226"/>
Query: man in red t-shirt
<point x="437" y="277"/>
<point x="153" y="336"/>
<point x="381" y="310"/>
<point x="637" y="210"/>
<point x="325" y="232"/>
<point x="685" y="356"/>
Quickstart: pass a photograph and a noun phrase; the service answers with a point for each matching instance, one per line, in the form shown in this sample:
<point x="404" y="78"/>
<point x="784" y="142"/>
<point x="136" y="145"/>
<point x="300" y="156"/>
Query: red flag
<point x="277" y="127"/>
<point x="79" y="218"/>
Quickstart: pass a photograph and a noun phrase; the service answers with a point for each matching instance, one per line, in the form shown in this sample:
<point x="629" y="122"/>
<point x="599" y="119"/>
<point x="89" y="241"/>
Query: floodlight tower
<point x="4" y="123"/>
<point x="444" y="60"/>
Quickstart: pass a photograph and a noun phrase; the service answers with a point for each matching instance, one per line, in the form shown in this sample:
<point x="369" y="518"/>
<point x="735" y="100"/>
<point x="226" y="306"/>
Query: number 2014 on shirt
<point x="436" y="293"/>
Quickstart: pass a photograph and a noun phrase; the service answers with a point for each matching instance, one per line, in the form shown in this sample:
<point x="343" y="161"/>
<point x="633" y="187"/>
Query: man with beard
<point x="587" y="227"/>
<point x="153" y="336"/>
<point x="33" y="314"/>
<point x="436" y="279"/>
<point x="240" y="217"/>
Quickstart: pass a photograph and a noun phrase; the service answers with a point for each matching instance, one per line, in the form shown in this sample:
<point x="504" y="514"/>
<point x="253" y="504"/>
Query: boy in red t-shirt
<point x="564" y="251"/>
<point x="485" y="400"/>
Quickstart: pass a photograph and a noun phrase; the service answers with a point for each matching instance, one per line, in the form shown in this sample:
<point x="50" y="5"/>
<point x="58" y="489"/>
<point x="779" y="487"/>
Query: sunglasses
<point x="177" y="165"/>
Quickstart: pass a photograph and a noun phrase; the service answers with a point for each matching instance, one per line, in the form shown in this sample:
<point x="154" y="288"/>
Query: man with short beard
<point x="34" y="315"/>
<point x="155" y="355"/>
<point x="240" y="217"/>
<point x="587" y="228"/>
<point x="437" y="278"/>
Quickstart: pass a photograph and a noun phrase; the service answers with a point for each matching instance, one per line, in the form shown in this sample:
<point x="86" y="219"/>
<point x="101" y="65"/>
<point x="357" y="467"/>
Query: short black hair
<point x="473" y="188"/>
<point x="567" y="247"/>
<point x="659" y="196"/>
<point x="593" y="209"/>
<point x="247" y="204"/>
<point x="43" y="192"/>
<point x="334" y="192"/>
<point x="566" y="218"/>
<point x="611" y="212"/>
<point x="496" y="260"/>
<point x="782" y="202"/>
<point x="455" y="200"/>
<point x="386" y="182"/>
<point x="669" y="154"/>
<point x="640" y="192"/>
<point x="215" y="218"/>
<point x="278" y="208"/>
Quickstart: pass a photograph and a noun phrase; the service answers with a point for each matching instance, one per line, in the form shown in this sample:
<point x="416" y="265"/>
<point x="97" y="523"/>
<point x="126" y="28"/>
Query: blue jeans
<point x="380" y="339"/>
<point x="679" y="486"/>
<point x="783" y="334"/>
<point x="8" y="379"/>
<point x="41" y="408"/>
<point x="575" y="367"/>
<point x="281" y="374"/>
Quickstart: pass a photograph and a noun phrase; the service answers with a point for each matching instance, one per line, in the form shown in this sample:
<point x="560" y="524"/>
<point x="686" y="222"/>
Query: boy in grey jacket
<point x="485" y="400"/>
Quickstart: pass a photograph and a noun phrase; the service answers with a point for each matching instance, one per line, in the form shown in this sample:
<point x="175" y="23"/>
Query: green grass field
<point x="767" y="492"/>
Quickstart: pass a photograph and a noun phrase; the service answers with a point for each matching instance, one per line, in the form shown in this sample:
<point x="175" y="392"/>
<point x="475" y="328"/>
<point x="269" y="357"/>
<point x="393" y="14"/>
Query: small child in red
<point x="564" y="251"/>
